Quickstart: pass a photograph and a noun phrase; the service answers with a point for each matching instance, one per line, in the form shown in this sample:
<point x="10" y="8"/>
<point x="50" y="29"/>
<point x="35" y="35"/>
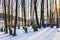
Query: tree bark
<point x="11" y="12"/>
<point x="15" y="19"/>
<point x="6" y="30"/>
<point x="22" y="11"/>
<point x="56" y="14"/>
<point x="42" y="13"/>
<point x="47" y="14"/>
<point x="9" y="25"/>
<point x="35" y="8"/>
<point x="50" y="15"/>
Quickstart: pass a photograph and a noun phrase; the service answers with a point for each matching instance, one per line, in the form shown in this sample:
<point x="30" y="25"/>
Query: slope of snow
<point x="57" y="35"/>
<point x="43" y="34"/>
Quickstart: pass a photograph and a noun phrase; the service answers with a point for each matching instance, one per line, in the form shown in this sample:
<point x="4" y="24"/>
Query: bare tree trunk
<point x="22" y="10"/>
<point x="9" y="25"/>
<point x="35" y="8"/>
<point x="47" y="14"/>
<point x="24" y="13"/>
<point x="59" y="8"/>
<point x="59" y="14"/>
<point x="31" y="14"/>
<point x="35" y="26"/>
<point x="40" y="18"/>
<point x="25" y="28"/>
<point x="11" y="12"/>
<point x="6" y="30"/>
<point x="56" y="14"/>
<point x="18" y="13"/>
<point x="28" y="14"/>
<point x="15" y="19"/>
<point x="0" y="2"/>
<point x="50" y="15"/>
<point x="42" y="13"/>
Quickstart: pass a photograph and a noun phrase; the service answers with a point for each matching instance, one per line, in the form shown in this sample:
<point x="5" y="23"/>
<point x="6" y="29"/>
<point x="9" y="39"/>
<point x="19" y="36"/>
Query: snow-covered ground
<point x="57" y="35"/>
<point x="43" y="34"/>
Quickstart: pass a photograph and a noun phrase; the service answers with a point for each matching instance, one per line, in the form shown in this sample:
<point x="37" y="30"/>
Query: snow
<point x="43" y="34"/>
<point x="57" y="35"/>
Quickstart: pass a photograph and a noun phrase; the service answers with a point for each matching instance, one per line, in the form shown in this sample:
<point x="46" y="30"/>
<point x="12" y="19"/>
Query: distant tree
<point x="42" y="13"/>
<point x="34" y="26"/>
<point x="6" y="30"/>
<point x="0" y="2"/>
<point x="35" y="8"/>
<point x="9" y="25"/>
<point x="23" y="15"/>
<point x="59" y="8"/>
<point x="22" y="10"/>
<point x="18" y="14"/>
<point x="50" y="15"/>
<point x="28" y="13"/>
<point x="31" y="11"/>
<point x="11" y="12"/>
<point x="56" y="14"/>
<point x="33" y="5"/>
<point x="25" y="28"/>
<point x="47" y="14"/>
<point x="15" y="19"/>
<point x="40" y="17"/>
<point x="32" y="14"/>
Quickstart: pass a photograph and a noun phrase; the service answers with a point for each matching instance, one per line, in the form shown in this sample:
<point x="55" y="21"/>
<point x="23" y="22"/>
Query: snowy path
<point x="57" y="35"/>
<point x="46" y="35"/>
<point x="43" y="34"/>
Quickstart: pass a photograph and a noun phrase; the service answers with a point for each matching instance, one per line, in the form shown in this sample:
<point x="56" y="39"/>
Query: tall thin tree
<point x="50" y="15"/>
<point x="11" y="12"/>
<point x="31" y="14"/>
<point x="22" y="12"/>
<point x="15" y="19"/>
<point x="47" y="14"/>
<point x="18" y="13"/>
<point x="35" y="9"/>
<point x="56" y="13"/>
<point x="25" y="28"/>
<point x="10" y="31"/>
<point x="6" y="30"/>
<point x="28" y="12"/>
<point x="42" y="13"/>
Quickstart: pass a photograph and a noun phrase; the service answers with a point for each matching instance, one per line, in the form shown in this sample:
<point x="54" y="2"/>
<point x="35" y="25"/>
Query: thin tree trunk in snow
<point x="6" y="30"/>
<point x="15" y="19"/>
<point x="42" y="12"/>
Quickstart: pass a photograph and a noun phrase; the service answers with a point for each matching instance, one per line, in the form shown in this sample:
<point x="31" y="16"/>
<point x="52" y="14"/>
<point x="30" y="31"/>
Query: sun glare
<point x="58" y="7"/>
